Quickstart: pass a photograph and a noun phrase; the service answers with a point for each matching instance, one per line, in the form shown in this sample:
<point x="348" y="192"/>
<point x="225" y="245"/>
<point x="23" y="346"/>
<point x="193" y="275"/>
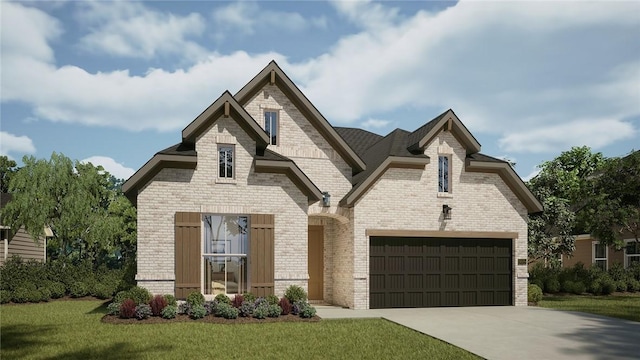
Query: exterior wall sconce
<point x="326" y="199"/>
<point x="446" y="212"/>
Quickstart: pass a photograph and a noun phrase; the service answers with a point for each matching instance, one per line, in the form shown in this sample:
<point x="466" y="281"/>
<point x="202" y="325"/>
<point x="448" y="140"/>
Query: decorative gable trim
<point x="273" y="74"/>
<point x="512" y="180"/>
<point x="294" y="173"/>
<point x="391" y="162"/>
<point x="447" y="121"/>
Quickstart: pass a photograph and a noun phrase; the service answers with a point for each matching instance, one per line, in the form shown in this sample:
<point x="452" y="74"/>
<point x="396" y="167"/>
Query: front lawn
<point x="619" y="306"/>
<point x="73" y="330"/>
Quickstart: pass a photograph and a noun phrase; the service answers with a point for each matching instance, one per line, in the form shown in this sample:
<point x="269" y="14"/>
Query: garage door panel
<point x="427" y="272"/>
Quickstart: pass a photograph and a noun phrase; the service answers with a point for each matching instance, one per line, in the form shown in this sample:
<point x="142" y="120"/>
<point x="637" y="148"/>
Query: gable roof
<point x="273" y="74"/>
<point x="271" y="162"/>
<point x="422" y="136"/>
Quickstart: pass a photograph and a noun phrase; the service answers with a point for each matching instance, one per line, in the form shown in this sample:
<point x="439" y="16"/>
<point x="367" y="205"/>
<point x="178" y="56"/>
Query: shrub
<point x="184" y="308"/>
<point x="197" y="311"/>
<point x="295" y="293"/>
<point x="249" y="297"/>
<point x="127" y="309"/>
<point x="113" y="308"/>
<point x="595" y="287"/>
<point x="227" y="311"/>
<point x="57" y="289"/>
<point x="78" y="289"/>
<point x="237" y="301"/>
<point x="139" y="295"/>
<point x="261" y="311"/>
<point x="285" y="305"/>
<point x="274" y="311"/>
<point x="617" y="272"/>
<point x="5" y="296"/>
<point x="169" y="312"/>
<point x="222" y="298"/>
<point x="297" y="307"/>
<point x="210" y="306"/>
<point x="608" y="286"/>
<point x="45" y="294"/>
<point x="272" y="299"/>
<point x="21" y="295"/>
<point x="621" y="285"/>
<point x="195" y="298"/>
<point x="143" y="311"/>
<point x="568" y="286"/>
<point x="102" y="291"/>
<point x="171" y="300"/>
<point x="534" y="293"/>
<point x="633" y="285"/>
<point x="34" y="296"/>
<point x="308" y="312"/>
<point x="158" y="303"/>
<point x="552" y="285"/>
<point x="579" y="288"/>
<point x="120" y="296"/>
<point x="260" y="301"/>
<point x="246" y="309"/>
<point x="538" y="282"/>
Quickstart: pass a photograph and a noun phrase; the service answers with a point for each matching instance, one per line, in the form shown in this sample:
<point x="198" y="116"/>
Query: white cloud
<point x="247" y="16"/>
<point x="374" y="123"/>
<point x="532" y="174"/>
<point x="596" y="133"/>
<point x="10" y="143"/>
<point x="113" y="167"/>
<point x="129" y="29"/>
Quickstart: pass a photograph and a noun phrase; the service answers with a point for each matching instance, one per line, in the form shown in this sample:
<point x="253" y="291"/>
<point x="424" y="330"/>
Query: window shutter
<point x="261" y="255"/>
<point x="188" y="256"/>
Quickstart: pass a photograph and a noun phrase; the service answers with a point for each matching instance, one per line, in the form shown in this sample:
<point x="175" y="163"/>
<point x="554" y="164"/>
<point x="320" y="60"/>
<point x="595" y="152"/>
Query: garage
<point x="433" y="272"/>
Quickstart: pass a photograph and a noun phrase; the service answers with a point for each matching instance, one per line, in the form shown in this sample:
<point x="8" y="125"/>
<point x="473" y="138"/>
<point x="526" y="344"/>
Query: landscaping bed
<point x="110" y="319"/>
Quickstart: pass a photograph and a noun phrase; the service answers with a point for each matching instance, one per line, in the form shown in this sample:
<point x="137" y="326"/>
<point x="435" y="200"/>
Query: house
<point x="21" y="243"/>
<point x="590" y="252"/>
<point x="263" y="192"/>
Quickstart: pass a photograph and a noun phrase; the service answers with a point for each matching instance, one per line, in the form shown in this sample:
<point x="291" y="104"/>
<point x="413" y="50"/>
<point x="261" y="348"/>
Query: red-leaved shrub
<point x="237" y="301"/>
<point x="158" y="303"/>
<point x="128" y="309"/>
<point x="285" y="305"/>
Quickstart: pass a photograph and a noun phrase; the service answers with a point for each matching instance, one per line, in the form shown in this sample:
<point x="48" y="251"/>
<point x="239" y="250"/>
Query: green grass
<point x="618" y="306"/>
<point x="72" y="330"/>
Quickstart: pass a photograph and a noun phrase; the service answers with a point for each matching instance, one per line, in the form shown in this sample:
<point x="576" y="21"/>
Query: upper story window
<point x="600" y="255"/>
<point x="271" y="126"/>
<point x="226" y="161"/>
<point x="444" y="169"/>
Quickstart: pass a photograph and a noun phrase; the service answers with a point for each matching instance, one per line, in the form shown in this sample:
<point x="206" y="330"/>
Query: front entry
<point x="316" y="262"/>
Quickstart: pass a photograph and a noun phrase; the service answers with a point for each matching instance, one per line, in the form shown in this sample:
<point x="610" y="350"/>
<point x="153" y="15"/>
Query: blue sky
<point x="115" y="82"/>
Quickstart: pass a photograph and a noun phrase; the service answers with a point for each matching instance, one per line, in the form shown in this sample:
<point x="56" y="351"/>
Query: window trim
<point x="277" y="122"/>
<point x="627" y="256"/>
<point x="233" y="162"/>
<point x="448" y="190"/>
<point x="594" y="259"/>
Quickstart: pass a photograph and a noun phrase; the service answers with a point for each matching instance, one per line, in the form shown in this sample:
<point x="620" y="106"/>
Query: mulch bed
<point x="110" y="319"/>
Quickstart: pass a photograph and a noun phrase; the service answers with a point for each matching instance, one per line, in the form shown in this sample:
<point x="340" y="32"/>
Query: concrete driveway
<point x="510" y="332"/>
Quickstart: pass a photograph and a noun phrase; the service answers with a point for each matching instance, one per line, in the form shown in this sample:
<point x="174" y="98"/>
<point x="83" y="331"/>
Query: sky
<point x="112" y="83"/>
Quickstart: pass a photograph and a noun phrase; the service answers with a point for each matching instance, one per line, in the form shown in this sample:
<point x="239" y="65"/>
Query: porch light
<point x="446" y="212"/>
<point x="326" y="199"/>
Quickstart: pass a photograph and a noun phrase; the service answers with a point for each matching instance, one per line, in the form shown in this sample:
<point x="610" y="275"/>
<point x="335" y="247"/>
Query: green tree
<point x="7" y="168"/>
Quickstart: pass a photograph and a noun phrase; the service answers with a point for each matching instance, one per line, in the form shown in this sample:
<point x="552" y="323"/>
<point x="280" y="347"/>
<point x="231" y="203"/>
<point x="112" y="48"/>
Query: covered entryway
<point x="431" y="272"/>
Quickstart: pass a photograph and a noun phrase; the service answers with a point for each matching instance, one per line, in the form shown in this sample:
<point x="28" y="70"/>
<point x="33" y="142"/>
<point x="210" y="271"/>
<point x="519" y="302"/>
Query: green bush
<point x="272" y="299"/>
<point x="617" y="272"/>
<point x="308" y="312"/>
<point x="222" y="299"/>
<point x="45" y="294"/>
<point x="579" y="288"/>
<point x="169" y="312"/>
<point x="539" y="283"/>
<point x="621" y="285"/>
<point x="246" y="309"/>
<point x="595" y="287"/>
<point x="139" y="295"/>
<point x="57" y="289"/>
<point x="102" y="291"/>
<point x="78" y="289"/>
<point x="35" y="296"/>
<point x="197" y="311"/>
<point x="227" y="311"/>
<point x="534" y="293"/>
<point x="171" y="300"/>
<point x="113" y="308"/>
<point x="568" y="286"/>
<point x="295" y="293"/>
<point x="143" y="311"/>
<point x="195" y="298"/>
<point x="5" y="296"/>
<point x="552" y="285"/>
<point x="608" y="286"/>
<point x="249" y="297"/>
<point x="21" y="295"/>
<point x="633" y="285"/>
<point x="274" y="311"/>
<point x="261" y="311"/>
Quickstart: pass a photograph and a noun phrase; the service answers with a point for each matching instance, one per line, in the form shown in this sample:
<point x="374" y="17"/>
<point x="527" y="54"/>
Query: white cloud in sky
<point x="247" y="16"/>
<point x="462" y="57"/>
<point x="10" y="143"/>
<point x="113" y="167"/>
<point x="129" y="29"/>
<point x="374" y="123"/>
<point x="532" y="174"/>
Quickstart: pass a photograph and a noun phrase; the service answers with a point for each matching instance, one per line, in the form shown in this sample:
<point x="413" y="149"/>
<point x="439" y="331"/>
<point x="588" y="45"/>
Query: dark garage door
<point x="428" y="272"/>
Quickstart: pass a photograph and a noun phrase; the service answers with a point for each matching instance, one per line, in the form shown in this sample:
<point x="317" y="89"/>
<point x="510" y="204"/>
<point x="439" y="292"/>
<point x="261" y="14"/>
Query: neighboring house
<point x="21" y="243"/>
<point x="262" y="193"/>
<point x="590" y="252"/>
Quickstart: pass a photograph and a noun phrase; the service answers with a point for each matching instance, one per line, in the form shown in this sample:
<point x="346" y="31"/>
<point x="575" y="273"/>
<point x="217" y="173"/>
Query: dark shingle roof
<point x="271" y="155"/>
<point x="359" y="140"/>
<point x="180" y="149"/>
<point x="485" y="158"/>
<point x="423" y="130"/>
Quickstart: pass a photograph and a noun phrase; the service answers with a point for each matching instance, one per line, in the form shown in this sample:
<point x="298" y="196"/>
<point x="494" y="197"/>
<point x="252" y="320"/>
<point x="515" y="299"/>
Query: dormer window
<point x="444" y="168"/>
<point x="225" y="160"/>
<point x="271" y="126"/>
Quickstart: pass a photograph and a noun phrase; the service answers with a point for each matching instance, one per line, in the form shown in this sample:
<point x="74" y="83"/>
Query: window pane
<point x="443" y="174"/>
<point x="600" y="251"/>
<point x="225" y="234"/>
<point x="271" y="126"/>
<point x="633" y="248"/>
<point x="225" y="275"/>
<point x="225" y="157"/>
<point x="601" y="264"/>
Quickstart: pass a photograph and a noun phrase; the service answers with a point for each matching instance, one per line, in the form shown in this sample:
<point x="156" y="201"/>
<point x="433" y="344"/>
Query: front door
<point x="316" y="262"/>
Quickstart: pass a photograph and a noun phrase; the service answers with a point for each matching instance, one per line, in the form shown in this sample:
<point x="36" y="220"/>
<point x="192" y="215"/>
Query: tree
<point x="564" y="186"/>
<point x="7" y="168"/>
<point x="89" y="221"/>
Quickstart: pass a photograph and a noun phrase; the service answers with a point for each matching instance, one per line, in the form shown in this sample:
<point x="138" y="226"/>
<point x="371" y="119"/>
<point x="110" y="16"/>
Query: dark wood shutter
<point x="261" y="254"/>
<point x="188" y="256"/>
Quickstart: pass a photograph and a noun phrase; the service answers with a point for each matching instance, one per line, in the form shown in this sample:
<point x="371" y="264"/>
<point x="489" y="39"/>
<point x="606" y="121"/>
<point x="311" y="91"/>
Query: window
<point x="631" y="253"/>
<point x="225" y="158"/>
<point x="444" y="168"/>
<point x="271" y="126"/>
<point x="600" y="255"/>
<point x="224" y="257"/>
